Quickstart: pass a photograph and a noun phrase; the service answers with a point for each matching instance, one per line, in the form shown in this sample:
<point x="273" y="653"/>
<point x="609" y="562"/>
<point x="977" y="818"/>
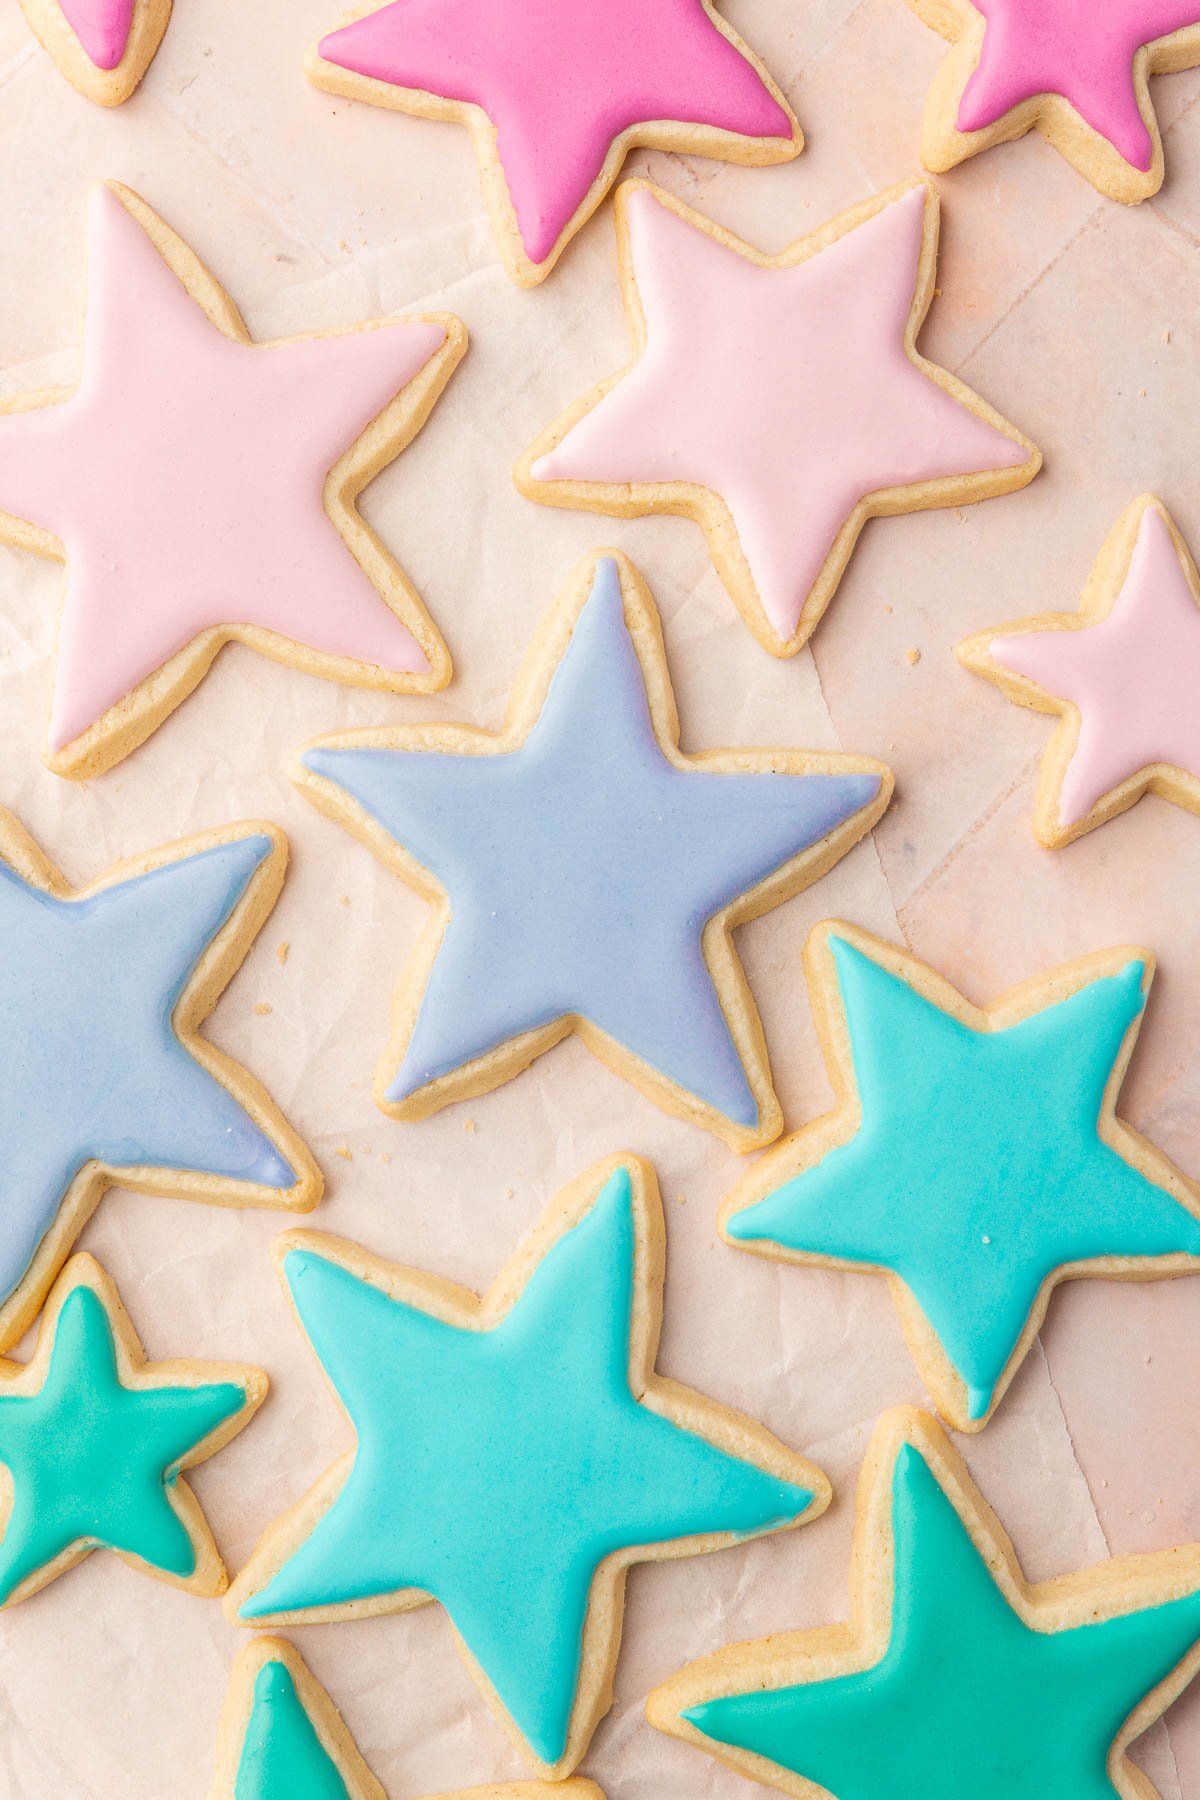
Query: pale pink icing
<point x="1135" y="676"/>
<point x="102" y="27"/>
<point x="185" y="479"/>
<point x="786" y="391"/>
<point x="1080" y="49"/>
<point x="560" y="79"/>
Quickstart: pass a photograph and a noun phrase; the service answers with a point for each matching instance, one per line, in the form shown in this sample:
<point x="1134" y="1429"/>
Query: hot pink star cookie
<point x="1124" y="673"/>
<point x="556" y="92"/>
<point x="201" y="488"/>
<point x="103" y="47"/>
<point x="779" y="401"/>
<point x="1076" y="69"/>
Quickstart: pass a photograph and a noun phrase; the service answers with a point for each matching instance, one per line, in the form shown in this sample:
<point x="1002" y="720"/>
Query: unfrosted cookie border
<point x="107" y="87"/>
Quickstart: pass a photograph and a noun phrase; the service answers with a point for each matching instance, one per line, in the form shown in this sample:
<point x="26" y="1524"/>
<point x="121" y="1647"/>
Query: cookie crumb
<point x="385" y="1156"/>
<point x="343" y="899"/>
<point x="1166" y="337"/>
<point x="912" y="656"/>
<point x="345" y="1152"/>
<point x="263" y="1008"/>
<point x="509" y="1192"/>
<point x="469" y="1125"/>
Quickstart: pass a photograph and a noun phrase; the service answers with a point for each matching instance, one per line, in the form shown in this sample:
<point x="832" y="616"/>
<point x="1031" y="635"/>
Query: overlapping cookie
<point x="588" y="875"/>
<point x="103" y="47"/>
<point x="974" y="1155"/>
<point x="202" y="488"/>
<point x="1123" y="673"/>
<point x="556" y="93"/>
<point x="955" y="1675"/>
<point x="107" y="1078"/>
<point x="514" y="1455"/>
<point x="780" y="401"/>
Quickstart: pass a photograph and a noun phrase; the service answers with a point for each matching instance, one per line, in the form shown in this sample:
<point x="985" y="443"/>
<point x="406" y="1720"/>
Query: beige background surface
<point x="1078" y="320"/>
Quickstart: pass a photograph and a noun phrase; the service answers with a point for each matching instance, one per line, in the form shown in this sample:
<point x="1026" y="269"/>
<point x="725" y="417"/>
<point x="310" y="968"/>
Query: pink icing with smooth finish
<point x="788" y="392"/>
<point x="185" y="478"/>
<point x="1080" y="49"/>
<point x="560" y="79"/>
<point x="1135" y="676"/>
<point x="102" y="27"/>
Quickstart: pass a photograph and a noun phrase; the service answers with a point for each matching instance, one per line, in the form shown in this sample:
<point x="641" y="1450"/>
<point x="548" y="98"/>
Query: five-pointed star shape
<point x="556" y="95"/>
<point x="779" y="401"/>
<point x="956" y="1677"/>
<point x="589" y="874"/>
<point x="1077" y="70"/>
<point x="1124" y="673"/>
<point x="515" y="1455"/>
<point x="93" y="1438"/>
<point x="107" y="1079"/>
<point x="103" y="47"/>
<point x="975" y="1155"/>
<point x="201" y="488"/>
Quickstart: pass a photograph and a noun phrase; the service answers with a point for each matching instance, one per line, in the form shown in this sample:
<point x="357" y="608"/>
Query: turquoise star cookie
<point x="514" y="1455"/>
<point x="957" y="1679"/>
<point x="94" y="1438"/>
<point x="974" y="1156"/>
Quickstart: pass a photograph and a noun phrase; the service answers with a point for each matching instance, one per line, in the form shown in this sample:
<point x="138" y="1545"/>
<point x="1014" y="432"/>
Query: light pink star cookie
<point x="557" y="92"/>
<point x="1078" y="70"/>
<point x="1124" y="673"/>
<point x="201" y="488"/>
<point x="103" y="47"/>
<point x="781" y="401"/>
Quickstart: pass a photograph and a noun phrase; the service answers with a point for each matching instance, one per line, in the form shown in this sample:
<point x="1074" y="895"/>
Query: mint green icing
<point x="282" y="1757"/>
<point x="93" y="1461"/>
<point x="967" y="1702"/>
<point x="978" y="1168"/>
<point x="496" y="1469"/>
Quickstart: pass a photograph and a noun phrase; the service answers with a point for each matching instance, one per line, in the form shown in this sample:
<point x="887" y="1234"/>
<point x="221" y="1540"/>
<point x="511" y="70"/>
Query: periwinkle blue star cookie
<point x="94" y="1438"/>
<point x="514" y="1455"/>
<point x="107" y="1079"/>
<point x="956" y="1679"/>
<point x="975" y="1155"/>
<point x="588" y="874"/>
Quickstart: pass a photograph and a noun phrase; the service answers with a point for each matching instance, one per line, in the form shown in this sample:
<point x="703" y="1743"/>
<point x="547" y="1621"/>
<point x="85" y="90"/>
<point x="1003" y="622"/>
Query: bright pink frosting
<point x="786" y="391"/>
<point x="102" y="27"/>
<point x="1081" y="49"/>
<point x="1135" y="676"/>
<point x="560" y="79"/>
<point x="185" y="478"/>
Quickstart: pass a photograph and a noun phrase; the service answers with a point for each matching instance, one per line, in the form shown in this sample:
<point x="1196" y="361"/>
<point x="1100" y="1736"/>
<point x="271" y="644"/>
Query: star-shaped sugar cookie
<point x="103" y="47"/>
<point x="93" y="1439"/>
<point x="974" y="1156"/>
<point x="1077" y="70"/>
<point x="556" y="95"/>
<point x="955" y="1676"/>
<point x="1123" y="672"/>
<point x="780" y="401"/>
<point x="514" y="1455"/>
<point x="201" y="488"/>
<point x="588" y="875"/>
<point x="106" y="1076"/>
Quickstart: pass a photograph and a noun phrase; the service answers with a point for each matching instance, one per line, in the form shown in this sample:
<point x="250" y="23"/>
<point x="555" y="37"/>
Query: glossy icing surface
<point x="93" y="1067"/>
<point x="282" y="1757"/>
<point x="102" y="27"/>
<point x="1135" y="675"/>
<point x="496" y="1469"/>
<point x="788" y="392"/>
<point x="968" y="1699"/>
<point x="977" y="1169"/>
<point x="583" y="866"/>
<point x="560" y="82"/>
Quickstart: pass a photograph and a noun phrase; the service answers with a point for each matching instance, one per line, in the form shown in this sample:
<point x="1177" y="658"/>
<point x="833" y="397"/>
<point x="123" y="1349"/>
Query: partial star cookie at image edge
<point x="102" y="995"/>
<point x="93" y="1440"/>
<point x="779" y="401"/>
<point x="514" y="1455"/>
<point x="1123" y="674"/>
<point x="587" y="875"/>
<point x="955" y="1675"/>
<point x="103" y="47"/>
<point x="201" y="489"/>
<point x="1077" y="71"/>
<point x="555" y="96"/>
<point x="974" y="1155"/>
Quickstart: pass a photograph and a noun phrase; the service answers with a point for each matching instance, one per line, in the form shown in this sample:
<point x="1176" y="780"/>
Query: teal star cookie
<point x="514" y="1455"/>
<point x="974" y="1155"/>
<point x="94" y="1438"/>
<point x="956" y="1678"/>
